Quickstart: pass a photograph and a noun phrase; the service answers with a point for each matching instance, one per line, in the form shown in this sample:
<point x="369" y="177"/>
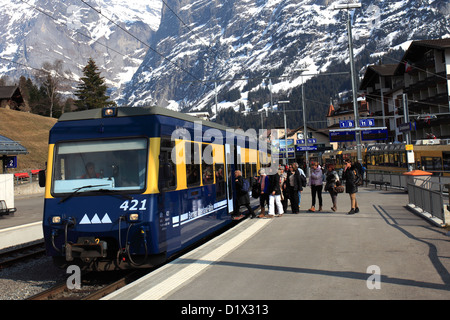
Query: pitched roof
<point x="418" y="48"/>
<point x="374" y="71"/>
<point x="6" y="92"/>
<point x="10" y="147"/>
<point x="330" y="110"/>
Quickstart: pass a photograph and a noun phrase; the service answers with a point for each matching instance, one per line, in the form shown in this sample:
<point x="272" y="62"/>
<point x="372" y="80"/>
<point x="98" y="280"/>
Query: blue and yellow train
<point x="117" y="195"/>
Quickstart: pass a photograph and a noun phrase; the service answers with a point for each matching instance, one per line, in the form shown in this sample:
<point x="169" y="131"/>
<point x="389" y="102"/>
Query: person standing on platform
<point x="316" y="181"/>
<point x="350" y="176"/>
<point x="275" y="195"/>
<point x="302" y="178"/>
<point x="263" y="181"/>
<point x="294" y="185"/>
<point x="242" y="197"/>
<point x="332" y="179"/>
<point x="283" y="186"/>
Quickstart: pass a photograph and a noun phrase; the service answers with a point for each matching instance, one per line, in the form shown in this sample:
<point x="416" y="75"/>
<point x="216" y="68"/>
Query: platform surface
<point x="383" y="252"/>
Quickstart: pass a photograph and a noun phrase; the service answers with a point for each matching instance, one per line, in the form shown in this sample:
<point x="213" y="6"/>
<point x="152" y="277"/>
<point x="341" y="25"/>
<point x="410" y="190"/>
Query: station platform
<point x="383" y="252"/>
<point x="25" y="225"/>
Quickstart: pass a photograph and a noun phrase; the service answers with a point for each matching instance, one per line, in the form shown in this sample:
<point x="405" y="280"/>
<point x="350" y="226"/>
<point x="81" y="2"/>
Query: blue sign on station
<point x="11" y="162"/>
<point x="342" y="136"/>
<point x="377" y="134"/>
<point x="346" y="123"/>
<point x="367" y="122"/>
<point x="306" y="148"/>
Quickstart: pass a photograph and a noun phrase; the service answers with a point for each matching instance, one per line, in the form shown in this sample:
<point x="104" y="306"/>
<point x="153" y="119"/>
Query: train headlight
<point x="133" y="217"/>
<point x="56" y="219"/>
<point x="109" y="112"/>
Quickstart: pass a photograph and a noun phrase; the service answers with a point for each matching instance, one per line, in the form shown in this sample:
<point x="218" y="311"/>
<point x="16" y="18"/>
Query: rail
<point x="428" y="201"/>
<point x="428" y="195"/>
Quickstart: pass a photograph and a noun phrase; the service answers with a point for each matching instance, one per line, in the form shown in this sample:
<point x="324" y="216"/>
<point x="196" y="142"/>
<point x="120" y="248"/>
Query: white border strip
<point x="20" y="234"/>
<point x="187" y="271"/>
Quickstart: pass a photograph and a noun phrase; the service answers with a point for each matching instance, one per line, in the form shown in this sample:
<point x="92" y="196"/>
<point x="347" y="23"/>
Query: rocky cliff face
<point x="45" y="31"/>
<point x="240" y="39"/>
<point x="173" y="54"/>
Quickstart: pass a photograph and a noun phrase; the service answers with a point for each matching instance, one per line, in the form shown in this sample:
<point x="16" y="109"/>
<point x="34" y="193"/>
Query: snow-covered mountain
<point x="170" y="53"/>
<point x="236" y="39"/>
<point x="38" y="31"/>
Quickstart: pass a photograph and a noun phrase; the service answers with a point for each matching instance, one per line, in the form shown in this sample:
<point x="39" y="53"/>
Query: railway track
<point x="23" y="253"/>
<point x="94" y="286"/>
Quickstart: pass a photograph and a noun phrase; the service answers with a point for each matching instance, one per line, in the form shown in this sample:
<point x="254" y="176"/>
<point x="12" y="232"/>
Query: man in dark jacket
<point x="242" y="197"/>
<point x="294" y="186"/>
<point x="350" y="176"/>
<point x="275" y="195"/>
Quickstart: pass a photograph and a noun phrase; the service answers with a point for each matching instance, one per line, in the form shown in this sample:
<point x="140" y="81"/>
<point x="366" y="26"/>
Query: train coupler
<point x="86" y="249"/>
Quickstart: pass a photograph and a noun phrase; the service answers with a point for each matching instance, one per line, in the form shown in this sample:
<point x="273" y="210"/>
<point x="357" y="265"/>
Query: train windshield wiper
<point x="81" y="188"/>
<point x="113" y="193"/>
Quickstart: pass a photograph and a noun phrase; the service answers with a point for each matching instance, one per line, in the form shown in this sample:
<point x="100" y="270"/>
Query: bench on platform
<point x="21" y="176"/>
<point x="381" y="183"/>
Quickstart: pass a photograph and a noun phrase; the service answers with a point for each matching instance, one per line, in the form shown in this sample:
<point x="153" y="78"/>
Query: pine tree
<point x="91" y="93"/>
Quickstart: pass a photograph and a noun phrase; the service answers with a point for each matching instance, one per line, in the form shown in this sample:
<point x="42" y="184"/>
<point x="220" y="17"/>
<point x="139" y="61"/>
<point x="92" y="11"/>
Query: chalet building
<point x="11" y="98"/>
<point x="423" y="75"/>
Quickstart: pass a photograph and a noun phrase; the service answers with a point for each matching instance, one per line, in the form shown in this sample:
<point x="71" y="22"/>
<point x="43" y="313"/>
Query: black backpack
<point x="303" y="180"/>
<point x="256" y="190"/>
<point x="246" y="185"/>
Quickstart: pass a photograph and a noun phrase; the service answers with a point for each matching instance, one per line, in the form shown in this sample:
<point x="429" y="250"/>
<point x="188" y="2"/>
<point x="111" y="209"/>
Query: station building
<point x="423" y="74"/>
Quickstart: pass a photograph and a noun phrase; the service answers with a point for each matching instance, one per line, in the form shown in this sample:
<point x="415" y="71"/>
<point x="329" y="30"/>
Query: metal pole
<point x="355" y="98"/>
<point x="352" y="69"/>
<point x="215" y="97"/>
<point x="406" y="117"/>
<point x="382" y="103"/>
<point x="305" y="135"/>
<point x="285" y="137"/>
<point x="285" y="132"/>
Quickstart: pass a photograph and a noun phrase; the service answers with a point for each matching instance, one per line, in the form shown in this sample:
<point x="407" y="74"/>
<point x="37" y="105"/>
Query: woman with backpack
<point x="242" y="197"/>
<point x="294" y="186"/>
<point x="263" y="182"/>
<point x="351" y="177"/>
<point x="332" y="181"/>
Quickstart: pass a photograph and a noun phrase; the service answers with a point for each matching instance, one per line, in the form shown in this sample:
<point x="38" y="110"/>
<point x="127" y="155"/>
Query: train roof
<point x="140" y="111"/>
<point x="134" y="112"/>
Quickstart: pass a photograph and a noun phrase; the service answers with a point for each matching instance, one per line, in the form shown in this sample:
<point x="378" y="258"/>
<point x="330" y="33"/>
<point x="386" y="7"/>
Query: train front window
<point x="113" y="165"/>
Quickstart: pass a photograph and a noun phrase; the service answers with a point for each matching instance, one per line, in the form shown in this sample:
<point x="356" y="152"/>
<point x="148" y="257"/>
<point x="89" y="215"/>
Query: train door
<point x="230" y="176"/>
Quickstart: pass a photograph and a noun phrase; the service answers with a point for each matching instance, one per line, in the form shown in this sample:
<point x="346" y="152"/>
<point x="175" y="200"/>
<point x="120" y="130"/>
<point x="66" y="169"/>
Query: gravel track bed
<point x="26" y="279"/>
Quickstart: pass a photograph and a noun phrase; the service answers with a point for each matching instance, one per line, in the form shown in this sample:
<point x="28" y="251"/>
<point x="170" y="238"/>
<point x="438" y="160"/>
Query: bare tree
<point x="53" y="80"/>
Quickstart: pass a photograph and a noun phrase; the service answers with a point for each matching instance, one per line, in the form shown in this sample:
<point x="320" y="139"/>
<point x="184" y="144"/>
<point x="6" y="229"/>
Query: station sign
<point x="306" y="148"/>
<point x="283" y="155"/>
<point x="377" y="134"/>
<point x="11" y="162"/>
<point x="367" y="122"/>
<point x="346" y="123"/>
<point x="342" y="136"/>
<point x="302" y="141"/>
<point x="405" y="127"/>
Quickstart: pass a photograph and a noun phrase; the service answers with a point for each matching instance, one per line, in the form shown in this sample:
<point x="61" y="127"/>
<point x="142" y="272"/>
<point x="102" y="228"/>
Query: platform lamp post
<point x="352" y="69"/>
<point x="305" y="138"/>
<point x="285" y="131"/>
